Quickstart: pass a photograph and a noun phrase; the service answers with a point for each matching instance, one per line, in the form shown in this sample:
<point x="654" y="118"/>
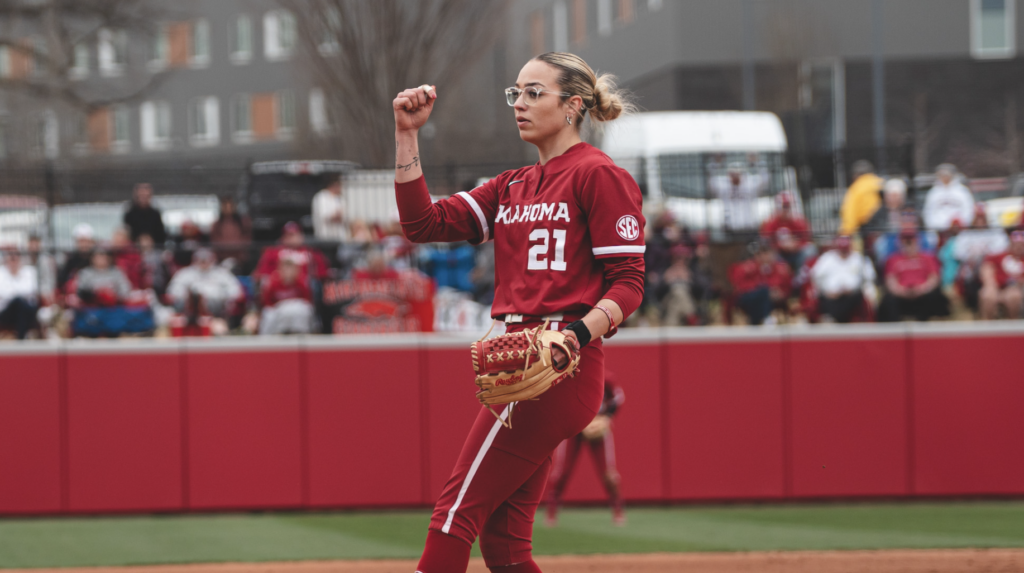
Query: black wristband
<point x="581" y="331"/>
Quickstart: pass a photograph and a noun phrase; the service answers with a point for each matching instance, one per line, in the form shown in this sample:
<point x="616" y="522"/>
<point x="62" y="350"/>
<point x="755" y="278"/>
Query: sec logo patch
<point x="628" y="227"/>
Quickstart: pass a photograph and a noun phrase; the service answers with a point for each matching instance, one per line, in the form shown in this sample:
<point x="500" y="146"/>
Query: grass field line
<point x="263" y="537"/>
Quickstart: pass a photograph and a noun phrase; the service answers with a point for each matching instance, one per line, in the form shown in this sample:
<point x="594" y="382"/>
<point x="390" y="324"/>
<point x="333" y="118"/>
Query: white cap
<point x="82" y="231"/>
<point x="896" y="187"/>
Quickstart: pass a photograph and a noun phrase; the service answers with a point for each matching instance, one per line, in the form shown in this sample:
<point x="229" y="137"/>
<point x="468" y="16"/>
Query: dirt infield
<point x="904" y="561"/>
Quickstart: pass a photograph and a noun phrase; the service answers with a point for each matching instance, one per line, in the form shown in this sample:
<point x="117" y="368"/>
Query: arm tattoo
<point x="415" y="162"/>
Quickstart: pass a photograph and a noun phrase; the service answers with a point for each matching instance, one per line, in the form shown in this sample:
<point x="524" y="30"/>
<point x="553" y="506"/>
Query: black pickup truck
<point x="282" y="191"/>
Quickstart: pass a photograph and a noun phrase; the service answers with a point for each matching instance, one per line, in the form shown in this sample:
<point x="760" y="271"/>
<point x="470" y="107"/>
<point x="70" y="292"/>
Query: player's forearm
<point x="597" y="321"/>
<point x="407" y="153"/>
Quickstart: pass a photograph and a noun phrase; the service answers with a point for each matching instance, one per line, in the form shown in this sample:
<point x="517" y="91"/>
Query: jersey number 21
<point x="538" y="260"/>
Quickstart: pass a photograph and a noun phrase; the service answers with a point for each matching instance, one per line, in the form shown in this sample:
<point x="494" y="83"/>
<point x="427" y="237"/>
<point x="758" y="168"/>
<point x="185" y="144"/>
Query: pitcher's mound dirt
<point x="903" y="561"/>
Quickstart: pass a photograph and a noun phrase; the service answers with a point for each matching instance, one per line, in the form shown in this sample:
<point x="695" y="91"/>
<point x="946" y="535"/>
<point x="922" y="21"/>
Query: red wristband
<point x="611" y="323"/>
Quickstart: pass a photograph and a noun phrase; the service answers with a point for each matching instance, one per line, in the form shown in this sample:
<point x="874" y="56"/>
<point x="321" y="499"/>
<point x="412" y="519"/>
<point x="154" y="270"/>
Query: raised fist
<point x="413" y="107"/>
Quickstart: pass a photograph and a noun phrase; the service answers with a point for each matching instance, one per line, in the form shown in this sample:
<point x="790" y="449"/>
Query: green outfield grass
<point x="351" y="535"/>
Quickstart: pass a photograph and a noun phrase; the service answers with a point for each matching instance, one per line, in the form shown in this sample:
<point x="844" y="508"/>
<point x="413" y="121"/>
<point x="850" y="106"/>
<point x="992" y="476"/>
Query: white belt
<point x="514" y="318"/>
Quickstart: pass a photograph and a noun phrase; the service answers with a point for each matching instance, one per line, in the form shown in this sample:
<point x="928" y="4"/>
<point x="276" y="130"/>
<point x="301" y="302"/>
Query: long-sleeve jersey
<point x="566" y="234"/>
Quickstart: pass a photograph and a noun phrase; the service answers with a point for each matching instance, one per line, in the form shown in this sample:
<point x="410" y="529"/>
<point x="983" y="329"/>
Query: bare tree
<point x="46" y="41"/>
<point x="362" y="53"/>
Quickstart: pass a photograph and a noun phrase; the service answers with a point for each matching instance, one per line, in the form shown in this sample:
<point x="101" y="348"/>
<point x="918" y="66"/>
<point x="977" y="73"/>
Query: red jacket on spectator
<point x="275" y="291"/>
<point x="779" y="227"/>
<point x="307" y="259"/>
<point x="912" y="271"/>
<point x="130" y="263"/>
<point x="1009" y="269"/>
<point x="749" y="275"/>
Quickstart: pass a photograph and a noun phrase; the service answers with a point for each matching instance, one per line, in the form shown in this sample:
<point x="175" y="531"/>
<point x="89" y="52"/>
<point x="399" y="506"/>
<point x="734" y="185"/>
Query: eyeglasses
<point x="532" y="95"/>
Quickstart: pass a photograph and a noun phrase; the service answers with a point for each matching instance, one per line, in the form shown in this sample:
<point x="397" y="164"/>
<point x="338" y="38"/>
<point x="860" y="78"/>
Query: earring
<point x="568" y="119"/>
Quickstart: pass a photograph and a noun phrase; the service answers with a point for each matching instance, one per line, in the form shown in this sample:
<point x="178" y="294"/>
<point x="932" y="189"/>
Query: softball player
<point x="599" y="438"/>
<point x="569" y="245"/>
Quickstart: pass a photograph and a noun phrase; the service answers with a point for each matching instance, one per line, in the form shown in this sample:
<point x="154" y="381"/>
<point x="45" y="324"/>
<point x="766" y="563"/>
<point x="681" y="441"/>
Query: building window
<point x="161" y="48"/>
<point x="993" y="28"/>
<point x="46" y="135"/>
<point x="80" y="67"/>
<point x="285" y="113"/>
<point x="156" y="125"/>
<point x="240" y="35"/>
<point x="331" y="28"/>
<point x="120" y="141"/>
<point x="204" y="121"/>
<point x="605" y="17"/>
<point x="560" y="23"/>
<point x="5" y="62"/>
<point x="241" y="118"/>
<point x="199" y="44"/>
<point x="79" y="134"/>
<point x="579" y="21"/>
<point x="319" y="120"/>
<point x="278" y="35"/>
<point x="537" y="32"/>
<point x="40" y="56"/>
<point x="654" y="5"/>
<point x="113" y="52"/>
<point x="626" y="10"/>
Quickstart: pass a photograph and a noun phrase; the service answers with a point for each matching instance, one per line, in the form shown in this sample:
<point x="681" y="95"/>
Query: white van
<point x="676" y="155"/>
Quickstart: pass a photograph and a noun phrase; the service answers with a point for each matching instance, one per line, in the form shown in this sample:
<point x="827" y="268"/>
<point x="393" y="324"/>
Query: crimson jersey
<point x="563" y="232"/>
<point x="1009" y="269"/>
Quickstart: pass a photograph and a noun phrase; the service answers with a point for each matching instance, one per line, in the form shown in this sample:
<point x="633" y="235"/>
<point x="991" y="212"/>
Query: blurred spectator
<point x="738" y="189"/>
<point x="947" y="254"/>
<point x="377" y="268"/>
<point x="889" y="216"/>
<point x="101" y="283"/>
<point x="862" y="198"/>
<point x="154" y="265"/>
<point x="80" y="257"/>
<point x="980" y="220"/>
<point x="666" y="234"/>
<point x="287" y="301"/>
<point x="329" y="213"/>
<point x="1002" y="280"/>
<point x="19" y="286"/>
<point x="482" y="276"/>
<point x="311" y="262"/>
<point x="947" y="200"/>
<point x="889" y="244"/>
<point x="128" y="259"/>
<point x="231" y="234"/>
<point x="46" y="269"/>
<point x="190" y="240"/>
<point x="352" y="253"/>
<point x="213" y="287"/>
<point x="912" y="283"/>
<point x="142" y="217"/>
<point x="970" y="250"/>
<point x="761" y="283"/>
<point x="450" y="266"/>
<point x="788" y="232"/>
<point x="676" y="296"/>
<point x="844" y="280"/>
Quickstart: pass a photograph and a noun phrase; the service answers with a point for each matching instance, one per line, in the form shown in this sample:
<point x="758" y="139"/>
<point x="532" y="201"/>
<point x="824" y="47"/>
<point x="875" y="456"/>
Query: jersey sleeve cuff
<point x="620" y="251"/>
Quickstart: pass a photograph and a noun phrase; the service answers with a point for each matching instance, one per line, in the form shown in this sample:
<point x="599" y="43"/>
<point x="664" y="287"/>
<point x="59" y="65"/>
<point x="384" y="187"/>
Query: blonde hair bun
<point x="608" y="101"/>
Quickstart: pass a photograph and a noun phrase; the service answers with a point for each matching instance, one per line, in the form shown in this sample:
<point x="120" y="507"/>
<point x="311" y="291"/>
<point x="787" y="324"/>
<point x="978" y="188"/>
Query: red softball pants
<point x="499" y="478"/>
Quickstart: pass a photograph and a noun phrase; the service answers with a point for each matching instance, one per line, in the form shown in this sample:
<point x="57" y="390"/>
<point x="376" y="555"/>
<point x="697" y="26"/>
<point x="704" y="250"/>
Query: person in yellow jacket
<point x="862" y="198"/>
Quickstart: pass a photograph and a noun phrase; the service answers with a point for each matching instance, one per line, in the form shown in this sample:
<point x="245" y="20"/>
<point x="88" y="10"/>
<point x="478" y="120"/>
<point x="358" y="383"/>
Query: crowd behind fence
<point x="730" y="237"/>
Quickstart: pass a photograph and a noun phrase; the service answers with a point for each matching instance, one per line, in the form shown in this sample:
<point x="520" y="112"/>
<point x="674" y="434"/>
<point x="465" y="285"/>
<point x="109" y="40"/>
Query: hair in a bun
<point x="600" y="94"/>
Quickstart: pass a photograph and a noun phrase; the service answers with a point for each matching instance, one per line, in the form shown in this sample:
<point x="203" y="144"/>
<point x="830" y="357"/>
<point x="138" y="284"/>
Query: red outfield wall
<point x="93" y="427"/>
